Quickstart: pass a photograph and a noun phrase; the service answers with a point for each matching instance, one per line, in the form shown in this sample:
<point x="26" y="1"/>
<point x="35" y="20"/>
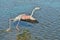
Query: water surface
<point x="48" y="16"/>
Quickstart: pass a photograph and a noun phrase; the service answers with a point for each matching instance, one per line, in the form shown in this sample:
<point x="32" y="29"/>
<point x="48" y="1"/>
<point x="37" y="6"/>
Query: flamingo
<point x="24" y="17"/>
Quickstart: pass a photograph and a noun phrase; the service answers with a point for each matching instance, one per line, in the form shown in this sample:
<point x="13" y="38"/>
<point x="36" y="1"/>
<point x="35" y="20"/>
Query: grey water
<point x="48" y="16"/>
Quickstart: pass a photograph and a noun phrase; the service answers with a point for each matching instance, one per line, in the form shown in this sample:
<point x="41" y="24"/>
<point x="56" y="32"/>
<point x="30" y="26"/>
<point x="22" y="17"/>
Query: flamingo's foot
<point x="8" y="30"/>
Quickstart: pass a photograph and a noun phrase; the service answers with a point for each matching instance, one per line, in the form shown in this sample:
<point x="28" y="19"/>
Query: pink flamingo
<point x="24" y="17"/>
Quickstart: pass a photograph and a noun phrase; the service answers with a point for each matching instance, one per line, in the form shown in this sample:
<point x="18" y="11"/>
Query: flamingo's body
<point x="24" y="17"/>
<point x="27" y="18"/>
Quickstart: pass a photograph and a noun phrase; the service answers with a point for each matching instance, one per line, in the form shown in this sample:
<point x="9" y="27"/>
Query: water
<point x="48" y="16"/>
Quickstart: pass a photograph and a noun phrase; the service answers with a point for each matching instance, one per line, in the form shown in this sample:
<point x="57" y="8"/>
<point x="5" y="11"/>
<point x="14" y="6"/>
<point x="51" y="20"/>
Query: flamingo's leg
<point x="17" y="26"/>
<point x="9" y="27"/>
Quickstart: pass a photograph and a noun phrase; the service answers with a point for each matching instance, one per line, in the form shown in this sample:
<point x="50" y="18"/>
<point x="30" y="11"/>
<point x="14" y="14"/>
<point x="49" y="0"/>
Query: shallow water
<point x="48" y="16"/>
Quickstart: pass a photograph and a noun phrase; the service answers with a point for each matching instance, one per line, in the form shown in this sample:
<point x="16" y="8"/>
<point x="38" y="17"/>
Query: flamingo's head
<point x="37" y="8"/>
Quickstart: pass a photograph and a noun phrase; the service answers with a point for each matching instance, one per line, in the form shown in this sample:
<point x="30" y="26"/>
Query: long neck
<point x="33" y="12"/>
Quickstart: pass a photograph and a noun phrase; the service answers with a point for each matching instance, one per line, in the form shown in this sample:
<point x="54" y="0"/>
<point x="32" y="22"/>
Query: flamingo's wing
<point x="29" y="20"/>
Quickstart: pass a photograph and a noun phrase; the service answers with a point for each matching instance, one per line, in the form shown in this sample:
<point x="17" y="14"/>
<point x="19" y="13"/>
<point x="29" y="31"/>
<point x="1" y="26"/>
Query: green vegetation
<point x="26" y="35"/>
